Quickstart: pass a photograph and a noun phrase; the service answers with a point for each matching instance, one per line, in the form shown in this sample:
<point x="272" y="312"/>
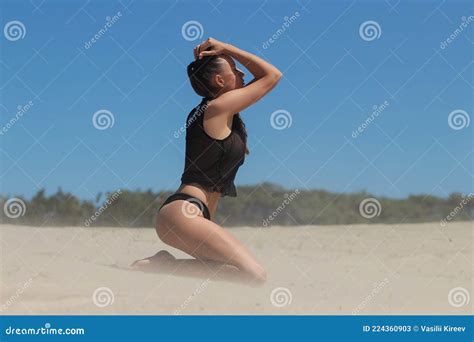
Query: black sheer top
<point x="212" y="163"/>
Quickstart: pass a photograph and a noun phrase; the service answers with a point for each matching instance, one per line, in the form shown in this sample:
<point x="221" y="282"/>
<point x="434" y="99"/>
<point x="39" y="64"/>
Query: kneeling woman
<point x="216" y="144"/>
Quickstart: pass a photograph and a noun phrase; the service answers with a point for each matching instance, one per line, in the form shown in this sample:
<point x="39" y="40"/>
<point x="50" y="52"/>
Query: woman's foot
<point x="153" y="260"/>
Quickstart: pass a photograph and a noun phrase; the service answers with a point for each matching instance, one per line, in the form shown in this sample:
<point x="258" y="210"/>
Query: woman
<point x="216" y="144"/>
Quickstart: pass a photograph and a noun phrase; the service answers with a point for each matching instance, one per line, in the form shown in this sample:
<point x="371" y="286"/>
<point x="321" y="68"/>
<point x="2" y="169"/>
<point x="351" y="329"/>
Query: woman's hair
<point x="200" y="74"/>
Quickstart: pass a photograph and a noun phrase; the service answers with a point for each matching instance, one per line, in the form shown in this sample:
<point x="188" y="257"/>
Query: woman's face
<point x="230" y="76"/>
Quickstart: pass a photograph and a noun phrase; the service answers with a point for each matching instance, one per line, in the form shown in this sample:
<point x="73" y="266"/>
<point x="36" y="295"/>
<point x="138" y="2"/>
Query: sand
<point x="319" y="270"/>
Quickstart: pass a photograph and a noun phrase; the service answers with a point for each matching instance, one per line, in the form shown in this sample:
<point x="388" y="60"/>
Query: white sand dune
<point x="361" y="269"/>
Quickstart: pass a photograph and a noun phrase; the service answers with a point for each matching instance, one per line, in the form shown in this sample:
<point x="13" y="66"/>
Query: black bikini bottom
<point x="191" y="199"/>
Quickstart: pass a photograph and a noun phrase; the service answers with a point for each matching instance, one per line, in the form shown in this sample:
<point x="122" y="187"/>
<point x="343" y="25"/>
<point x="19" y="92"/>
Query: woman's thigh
<point x="202" y="238"/>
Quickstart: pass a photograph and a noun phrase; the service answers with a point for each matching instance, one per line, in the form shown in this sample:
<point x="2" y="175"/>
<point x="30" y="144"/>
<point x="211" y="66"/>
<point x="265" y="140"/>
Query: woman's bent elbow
<point x="275" y="78"/>
<point x="278" y="75"/>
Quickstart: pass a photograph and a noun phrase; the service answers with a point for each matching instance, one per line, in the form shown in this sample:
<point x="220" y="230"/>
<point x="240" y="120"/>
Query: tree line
<point x="260" y="205"/>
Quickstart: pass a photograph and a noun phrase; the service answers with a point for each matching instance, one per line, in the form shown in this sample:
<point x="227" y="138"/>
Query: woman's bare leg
<point x="206" y="241"/>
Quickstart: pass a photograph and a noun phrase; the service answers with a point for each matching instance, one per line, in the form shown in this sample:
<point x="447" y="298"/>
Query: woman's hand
<point x="236" y="100"/>
<point x="209" y="47"/>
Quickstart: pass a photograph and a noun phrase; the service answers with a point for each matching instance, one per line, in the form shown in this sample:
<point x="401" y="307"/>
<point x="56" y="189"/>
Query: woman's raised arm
<point x="266" y="76"/>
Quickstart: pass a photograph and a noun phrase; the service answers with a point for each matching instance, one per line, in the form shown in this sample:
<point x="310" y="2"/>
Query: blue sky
<point x="333" y="77"/>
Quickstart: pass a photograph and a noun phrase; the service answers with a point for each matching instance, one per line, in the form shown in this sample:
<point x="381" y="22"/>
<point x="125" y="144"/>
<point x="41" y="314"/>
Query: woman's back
<point x="209" y="162"/>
